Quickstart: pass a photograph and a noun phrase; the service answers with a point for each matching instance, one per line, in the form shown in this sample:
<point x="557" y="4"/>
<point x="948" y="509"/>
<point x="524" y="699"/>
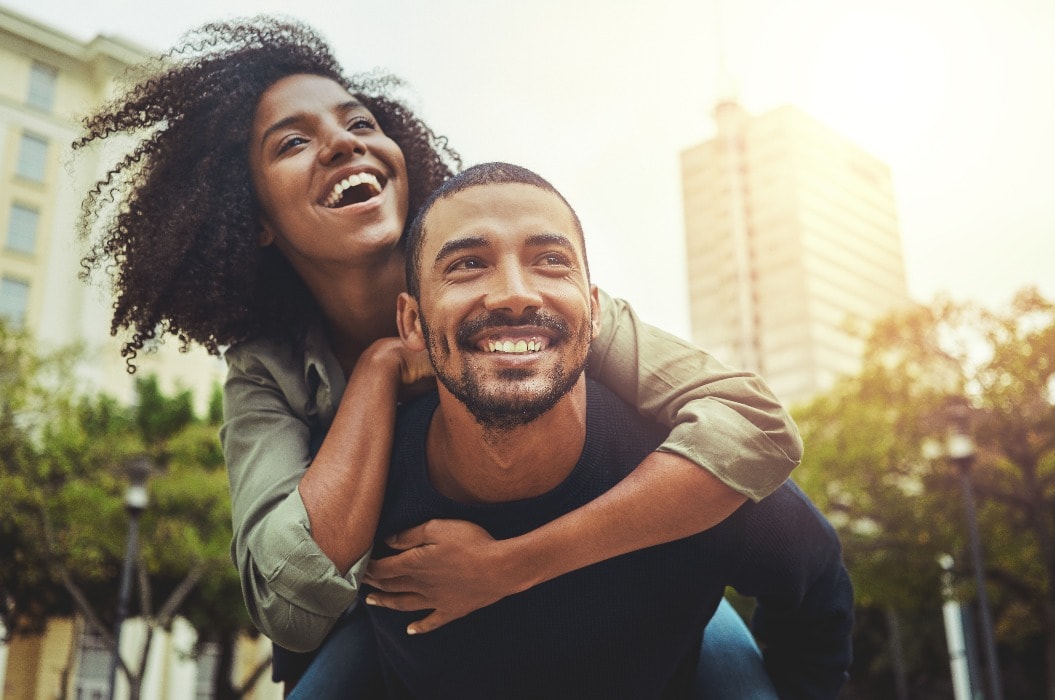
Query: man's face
<point x="506" y="311"/>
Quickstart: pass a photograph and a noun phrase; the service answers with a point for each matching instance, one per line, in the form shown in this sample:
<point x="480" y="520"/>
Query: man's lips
<point x="496" y="333"/>
<point x="507" y="344"/>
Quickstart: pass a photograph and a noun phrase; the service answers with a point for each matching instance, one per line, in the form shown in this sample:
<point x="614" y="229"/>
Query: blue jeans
<point x="346" y="665"/>
<point x="730" y="664"/>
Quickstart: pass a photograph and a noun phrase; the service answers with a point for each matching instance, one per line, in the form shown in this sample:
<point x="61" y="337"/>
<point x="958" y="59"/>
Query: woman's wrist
<point x="529" y="560"/>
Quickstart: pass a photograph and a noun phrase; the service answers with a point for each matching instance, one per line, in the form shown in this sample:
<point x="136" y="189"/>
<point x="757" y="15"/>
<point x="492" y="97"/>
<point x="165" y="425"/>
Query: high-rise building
<point x="792" y="240"/>
<point x="48" y="80"/>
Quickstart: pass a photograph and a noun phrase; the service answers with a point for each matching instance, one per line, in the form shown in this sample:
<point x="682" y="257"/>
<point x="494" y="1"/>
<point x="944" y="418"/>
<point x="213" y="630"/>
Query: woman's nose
<point x="339" y="144"/>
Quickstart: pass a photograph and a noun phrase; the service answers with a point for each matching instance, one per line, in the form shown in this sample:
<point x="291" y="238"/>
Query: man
<point x="499" y="296"/>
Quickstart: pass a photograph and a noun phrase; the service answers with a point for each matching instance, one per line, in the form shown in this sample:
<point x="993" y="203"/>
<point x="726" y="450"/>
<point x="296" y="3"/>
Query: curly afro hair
<point x="175" y="220"/>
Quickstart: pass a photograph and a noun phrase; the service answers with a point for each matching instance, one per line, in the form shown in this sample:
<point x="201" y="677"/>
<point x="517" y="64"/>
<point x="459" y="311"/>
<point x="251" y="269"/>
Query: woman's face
<point x="332" y="186"/>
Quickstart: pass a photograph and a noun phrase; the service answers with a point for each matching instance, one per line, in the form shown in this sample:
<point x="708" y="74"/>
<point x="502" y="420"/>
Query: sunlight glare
<point x="878" y="78"/>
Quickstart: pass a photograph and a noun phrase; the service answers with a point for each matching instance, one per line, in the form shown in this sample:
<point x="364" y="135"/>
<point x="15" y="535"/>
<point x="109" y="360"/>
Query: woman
<point x="264" y="209"/>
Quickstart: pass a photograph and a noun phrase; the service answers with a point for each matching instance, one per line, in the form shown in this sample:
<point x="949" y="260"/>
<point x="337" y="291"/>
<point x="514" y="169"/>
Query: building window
<point x="32" y="157"/>
<point x="42" y="80"/>
<point x="14" y="298"/>
<point x="22" y="229"/>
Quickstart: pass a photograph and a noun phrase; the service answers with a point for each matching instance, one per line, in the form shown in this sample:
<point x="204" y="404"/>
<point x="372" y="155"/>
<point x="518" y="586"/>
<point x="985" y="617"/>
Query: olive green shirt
<point x="279" y="401"/>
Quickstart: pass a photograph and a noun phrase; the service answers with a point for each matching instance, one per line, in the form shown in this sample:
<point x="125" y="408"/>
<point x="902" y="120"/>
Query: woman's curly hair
<point x="176" y="220"/>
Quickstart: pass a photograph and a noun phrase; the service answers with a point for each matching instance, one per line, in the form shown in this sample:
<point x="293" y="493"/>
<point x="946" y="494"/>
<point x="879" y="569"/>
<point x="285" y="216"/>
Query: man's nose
<point x="513" y="291"/>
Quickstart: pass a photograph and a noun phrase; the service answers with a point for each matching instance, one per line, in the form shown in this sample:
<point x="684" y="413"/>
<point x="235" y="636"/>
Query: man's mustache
<point x="499" y="319"/>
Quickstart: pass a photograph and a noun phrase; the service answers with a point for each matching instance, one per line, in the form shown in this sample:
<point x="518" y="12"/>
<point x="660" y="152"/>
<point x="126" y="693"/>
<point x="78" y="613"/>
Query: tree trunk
<point x="223" y="685"/>
<point x="897" y="655"/>
<point x="1049" y="642"/>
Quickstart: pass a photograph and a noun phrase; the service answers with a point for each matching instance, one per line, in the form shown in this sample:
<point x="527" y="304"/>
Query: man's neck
<point x="470" y="463"/>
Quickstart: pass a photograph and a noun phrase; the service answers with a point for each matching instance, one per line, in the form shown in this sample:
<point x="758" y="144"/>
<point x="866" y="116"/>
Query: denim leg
<point x="346" y="665"/>
<point x="730" y="666"/>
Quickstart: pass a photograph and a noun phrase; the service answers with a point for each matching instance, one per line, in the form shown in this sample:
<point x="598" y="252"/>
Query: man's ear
<point x="408" y="318"/>
<point x="595" y="311"/>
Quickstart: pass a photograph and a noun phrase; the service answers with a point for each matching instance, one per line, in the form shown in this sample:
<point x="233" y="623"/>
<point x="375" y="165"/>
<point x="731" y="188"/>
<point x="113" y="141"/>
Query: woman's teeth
<point x="369" y="182"/>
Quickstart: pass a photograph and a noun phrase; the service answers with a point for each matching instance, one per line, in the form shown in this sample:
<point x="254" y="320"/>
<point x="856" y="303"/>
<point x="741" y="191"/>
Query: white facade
<point x="48" y="81"/>
<point x="792" y="239"/>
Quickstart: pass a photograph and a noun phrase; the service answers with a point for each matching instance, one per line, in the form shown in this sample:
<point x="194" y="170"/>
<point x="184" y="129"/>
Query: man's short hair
<point x="476" y="176"/>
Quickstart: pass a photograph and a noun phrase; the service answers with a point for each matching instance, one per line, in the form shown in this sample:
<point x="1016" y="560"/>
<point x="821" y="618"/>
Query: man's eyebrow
<point x="544" y="239"/>
<point x="340" y="108"/>
<point x="456" y="245"/>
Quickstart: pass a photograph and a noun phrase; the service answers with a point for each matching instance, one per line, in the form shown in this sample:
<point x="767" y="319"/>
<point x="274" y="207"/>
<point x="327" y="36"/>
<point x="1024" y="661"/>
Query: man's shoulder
<point x="614" y="420"/>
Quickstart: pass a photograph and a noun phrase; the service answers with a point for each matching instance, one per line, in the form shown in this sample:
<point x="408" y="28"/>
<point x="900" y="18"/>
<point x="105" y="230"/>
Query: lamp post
<point x="954" y="636"/>
<point x="138" y="470"/>
<point x="959" y="447"/>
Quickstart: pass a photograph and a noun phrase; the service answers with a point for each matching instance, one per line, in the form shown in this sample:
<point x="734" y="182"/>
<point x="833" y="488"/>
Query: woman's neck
<point x="360" y="307"/>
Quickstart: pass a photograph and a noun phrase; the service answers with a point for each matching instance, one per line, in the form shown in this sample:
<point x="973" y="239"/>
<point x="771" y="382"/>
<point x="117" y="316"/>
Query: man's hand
<point x="451" y="567"/>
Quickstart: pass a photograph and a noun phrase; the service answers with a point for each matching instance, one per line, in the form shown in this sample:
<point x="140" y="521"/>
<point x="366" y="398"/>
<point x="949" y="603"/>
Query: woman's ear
<point x="408" y="318"/>
<point x="265" y="236"/>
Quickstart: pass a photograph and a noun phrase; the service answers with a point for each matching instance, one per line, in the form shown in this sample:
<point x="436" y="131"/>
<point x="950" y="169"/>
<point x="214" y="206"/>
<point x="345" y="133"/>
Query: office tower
<point x="48" y="80"/>
<point x="792" y="243"/>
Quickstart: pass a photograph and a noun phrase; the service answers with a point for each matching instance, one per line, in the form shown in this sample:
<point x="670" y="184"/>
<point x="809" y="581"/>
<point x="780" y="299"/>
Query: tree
<point x="898" y="507"/>
<point x="63" y="520"/>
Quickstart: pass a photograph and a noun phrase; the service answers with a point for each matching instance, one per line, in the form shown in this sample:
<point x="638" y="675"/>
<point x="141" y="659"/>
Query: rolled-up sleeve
<point x="292" y="590"/>
<point x="726" y="421"/>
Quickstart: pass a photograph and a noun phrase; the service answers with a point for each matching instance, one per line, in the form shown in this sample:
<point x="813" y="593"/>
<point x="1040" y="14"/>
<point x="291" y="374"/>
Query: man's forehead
<point x="489" y="210"/>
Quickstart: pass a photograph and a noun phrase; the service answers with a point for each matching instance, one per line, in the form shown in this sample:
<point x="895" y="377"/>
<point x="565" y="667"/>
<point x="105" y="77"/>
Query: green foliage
<point x="63" y="479"/>
<point x="898" y="504"/>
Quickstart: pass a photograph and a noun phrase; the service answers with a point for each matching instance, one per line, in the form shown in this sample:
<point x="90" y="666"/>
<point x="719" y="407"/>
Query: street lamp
<point x="138" y="470"/>
<point x="954" y="636"/>
<point x="959" y="448"/>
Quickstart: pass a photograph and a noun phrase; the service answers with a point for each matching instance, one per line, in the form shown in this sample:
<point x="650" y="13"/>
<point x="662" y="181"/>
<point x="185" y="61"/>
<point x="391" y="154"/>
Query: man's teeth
<point x="368" y="179"/>
<point x="514" y="345"/>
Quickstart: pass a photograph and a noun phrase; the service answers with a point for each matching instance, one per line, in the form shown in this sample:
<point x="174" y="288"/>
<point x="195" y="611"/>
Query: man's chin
<point x="504" y="416"/>
<point x="513" y="404"/>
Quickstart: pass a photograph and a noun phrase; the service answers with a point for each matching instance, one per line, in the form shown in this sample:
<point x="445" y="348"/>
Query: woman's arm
<point x="729" y="431"/>
<point x="727" y="422"/>
<point x="303" y="525"/>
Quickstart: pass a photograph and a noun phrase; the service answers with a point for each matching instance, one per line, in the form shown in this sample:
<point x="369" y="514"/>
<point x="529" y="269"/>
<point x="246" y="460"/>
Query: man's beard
<point x="502" y="411"/>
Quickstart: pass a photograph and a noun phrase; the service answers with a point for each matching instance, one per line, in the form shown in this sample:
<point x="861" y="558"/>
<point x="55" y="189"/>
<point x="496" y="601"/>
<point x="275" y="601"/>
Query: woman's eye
<point x="290" y="142"/>
<point x="358" y="123"/>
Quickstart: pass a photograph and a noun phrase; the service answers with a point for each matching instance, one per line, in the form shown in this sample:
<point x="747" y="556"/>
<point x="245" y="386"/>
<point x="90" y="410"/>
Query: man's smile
<point x="497" y="333"/>
<point x="518" y="346"/>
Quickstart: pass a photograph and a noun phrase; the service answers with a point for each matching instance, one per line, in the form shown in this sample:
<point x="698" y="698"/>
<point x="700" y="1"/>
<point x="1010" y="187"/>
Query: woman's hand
<point x="412" y="367"/>
<point x="451" y="567"/>
<point x="415" y="374"/>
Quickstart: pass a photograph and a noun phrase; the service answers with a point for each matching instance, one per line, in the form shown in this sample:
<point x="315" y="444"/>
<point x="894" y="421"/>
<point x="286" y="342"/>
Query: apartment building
<point x="49" y="79"/>
<point x="793" y="245"/>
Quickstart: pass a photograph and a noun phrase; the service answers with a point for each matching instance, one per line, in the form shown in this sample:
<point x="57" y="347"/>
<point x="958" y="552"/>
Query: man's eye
<point x="466" y="264"/>
<point x="555" y="259"/>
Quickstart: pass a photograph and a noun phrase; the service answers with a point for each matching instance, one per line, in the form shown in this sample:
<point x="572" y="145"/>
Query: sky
<point x="600" y="97"/>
